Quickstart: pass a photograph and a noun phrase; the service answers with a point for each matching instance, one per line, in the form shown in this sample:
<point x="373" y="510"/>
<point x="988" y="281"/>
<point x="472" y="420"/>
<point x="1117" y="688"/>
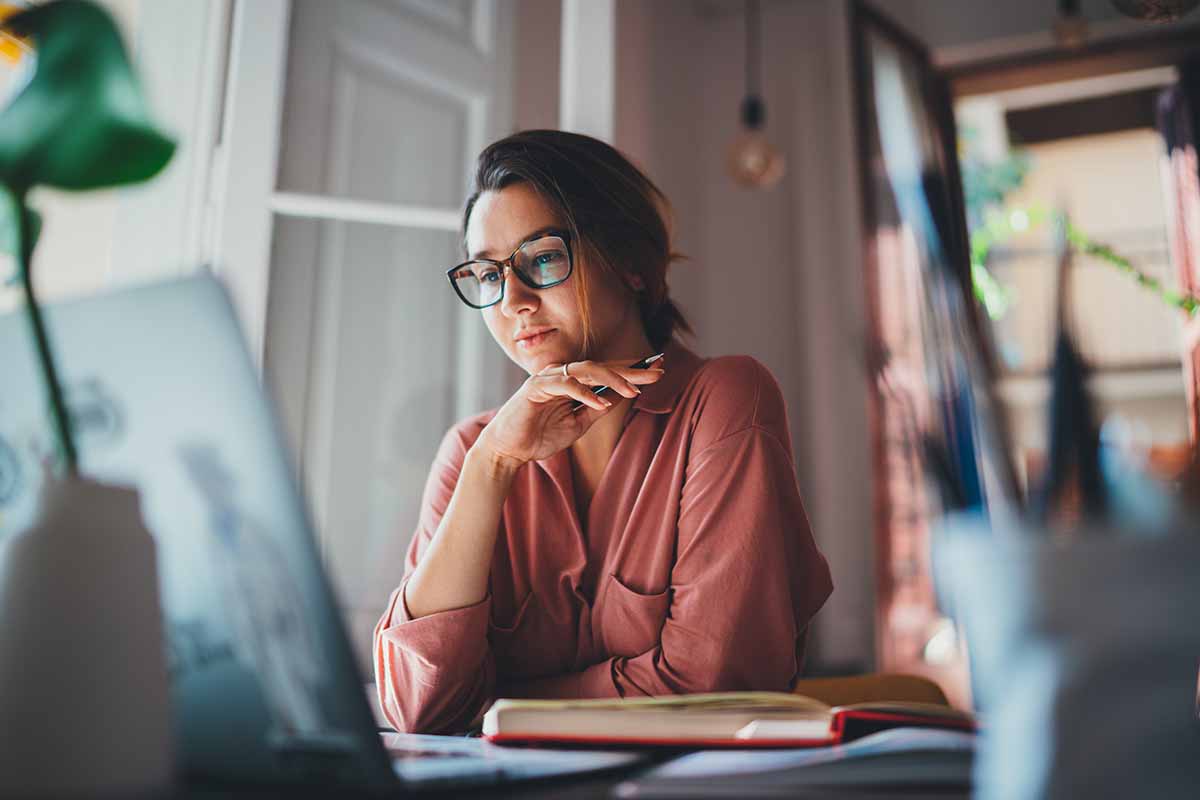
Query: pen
<point x="645" y="362"/>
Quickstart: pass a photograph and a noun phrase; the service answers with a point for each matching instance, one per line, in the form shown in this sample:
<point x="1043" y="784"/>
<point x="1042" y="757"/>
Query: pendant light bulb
<point x="753" y="161"/>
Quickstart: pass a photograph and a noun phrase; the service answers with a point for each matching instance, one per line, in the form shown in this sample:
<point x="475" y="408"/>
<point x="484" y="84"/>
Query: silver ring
<point x="565" y="373"/>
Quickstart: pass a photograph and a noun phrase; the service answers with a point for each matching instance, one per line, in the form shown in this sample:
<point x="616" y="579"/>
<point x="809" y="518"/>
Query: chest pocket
<point x="630" y="623"/>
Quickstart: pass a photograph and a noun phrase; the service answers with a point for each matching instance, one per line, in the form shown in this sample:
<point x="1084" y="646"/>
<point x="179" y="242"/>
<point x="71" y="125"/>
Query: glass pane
<point x="1108" y="181"/>
<point x="361" y="355"/>
<point x="359" y="129"/>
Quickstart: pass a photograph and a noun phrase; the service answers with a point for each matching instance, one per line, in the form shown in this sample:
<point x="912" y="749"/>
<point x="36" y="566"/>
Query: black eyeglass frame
<point x="507" y="265"/>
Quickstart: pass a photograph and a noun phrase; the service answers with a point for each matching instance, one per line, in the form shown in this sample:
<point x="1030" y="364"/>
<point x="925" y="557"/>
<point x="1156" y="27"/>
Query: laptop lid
<point x="164" y="397"/>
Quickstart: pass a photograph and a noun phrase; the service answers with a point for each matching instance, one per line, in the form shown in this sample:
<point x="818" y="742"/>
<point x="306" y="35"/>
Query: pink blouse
<point x="694" y="571"/>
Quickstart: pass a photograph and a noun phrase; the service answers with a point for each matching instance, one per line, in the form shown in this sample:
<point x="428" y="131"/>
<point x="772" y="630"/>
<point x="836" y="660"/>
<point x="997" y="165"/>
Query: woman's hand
<point x="537" y="421"/>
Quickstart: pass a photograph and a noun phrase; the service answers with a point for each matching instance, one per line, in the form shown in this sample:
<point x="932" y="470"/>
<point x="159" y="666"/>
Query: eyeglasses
<point x="540" y="263"/>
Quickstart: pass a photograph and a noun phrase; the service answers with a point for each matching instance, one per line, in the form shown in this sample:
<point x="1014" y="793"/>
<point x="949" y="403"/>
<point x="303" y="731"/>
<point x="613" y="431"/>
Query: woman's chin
<point x="534" y="356"/>
<point x="533" y="363"/>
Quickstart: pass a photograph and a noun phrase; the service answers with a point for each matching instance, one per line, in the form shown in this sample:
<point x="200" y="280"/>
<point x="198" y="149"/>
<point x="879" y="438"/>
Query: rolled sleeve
<point x="434" y="674"/>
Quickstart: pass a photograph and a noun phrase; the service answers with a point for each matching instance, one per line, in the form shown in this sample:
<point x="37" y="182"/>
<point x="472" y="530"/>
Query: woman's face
<point x="499" y="223"/>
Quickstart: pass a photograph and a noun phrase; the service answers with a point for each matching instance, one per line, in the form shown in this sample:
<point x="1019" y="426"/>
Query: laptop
<point x="265" y="689"/>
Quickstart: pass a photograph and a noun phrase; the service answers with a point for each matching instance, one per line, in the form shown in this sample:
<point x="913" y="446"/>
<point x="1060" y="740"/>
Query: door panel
<point x="369" y="162"/>
<point x="403" y="93"/>
<point x="465" y="21"/>
<point x="370" y="354"/>
<point x="378" y="401"/>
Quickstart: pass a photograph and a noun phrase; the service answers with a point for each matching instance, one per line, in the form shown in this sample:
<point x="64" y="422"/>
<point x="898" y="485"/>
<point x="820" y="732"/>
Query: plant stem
<point x="58" y="407"/>
<point x="1086" y="245"/>
<point x="998" y="229"/>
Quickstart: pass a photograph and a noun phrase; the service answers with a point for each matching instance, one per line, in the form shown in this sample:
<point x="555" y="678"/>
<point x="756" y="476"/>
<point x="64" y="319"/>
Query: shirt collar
<point x="680" y="364"/>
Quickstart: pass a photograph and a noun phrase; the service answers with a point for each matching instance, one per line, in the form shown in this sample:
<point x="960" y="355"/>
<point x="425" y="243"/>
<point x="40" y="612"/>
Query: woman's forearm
<point x="454" y="571"/>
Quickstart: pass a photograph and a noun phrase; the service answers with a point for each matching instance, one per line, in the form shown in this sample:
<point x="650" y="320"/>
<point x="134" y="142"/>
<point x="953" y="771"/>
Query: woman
<point x="652" y="541"/>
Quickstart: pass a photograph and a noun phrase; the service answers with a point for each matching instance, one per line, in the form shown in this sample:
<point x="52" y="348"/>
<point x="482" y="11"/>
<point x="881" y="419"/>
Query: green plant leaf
<point x="81" y="122"/>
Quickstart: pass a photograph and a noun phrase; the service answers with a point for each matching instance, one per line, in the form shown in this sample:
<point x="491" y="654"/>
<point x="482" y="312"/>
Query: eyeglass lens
<point x="540" y="263"/>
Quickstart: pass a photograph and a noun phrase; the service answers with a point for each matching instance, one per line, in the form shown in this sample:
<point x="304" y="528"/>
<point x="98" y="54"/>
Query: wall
<point x="774" y="274"/>
<point x="538" y="29"/>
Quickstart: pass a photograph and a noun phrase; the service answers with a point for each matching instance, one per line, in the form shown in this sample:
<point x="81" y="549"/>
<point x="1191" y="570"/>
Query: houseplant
<point x="82" y="656"/>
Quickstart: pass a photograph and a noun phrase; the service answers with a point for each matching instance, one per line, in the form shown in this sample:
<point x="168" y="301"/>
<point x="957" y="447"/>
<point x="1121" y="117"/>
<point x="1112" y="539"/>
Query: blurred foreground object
<point x="1079" y="623"/>
<point x="79" y="123"/>
<point x="1073" y="454"/>
<point x="13" y="48"/>
<point x="84" y="699"/>
<point x="1083" y="657"/>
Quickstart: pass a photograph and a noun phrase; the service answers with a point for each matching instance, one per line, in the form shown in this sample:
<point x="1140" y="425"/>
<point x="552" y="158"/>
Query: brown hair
<point x="616" y="216"/>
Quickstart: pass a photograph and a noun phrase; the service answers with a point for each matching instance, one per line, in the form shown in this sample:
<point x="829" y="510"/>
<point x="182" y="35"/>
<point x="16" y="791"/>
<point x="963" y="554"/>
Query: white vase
<point x="84" y="697"/>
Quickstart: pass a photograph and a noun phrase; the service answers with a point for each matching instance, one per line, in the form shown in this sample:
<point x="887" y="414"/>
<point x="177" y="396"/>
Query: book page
<point x="714" y="701"/>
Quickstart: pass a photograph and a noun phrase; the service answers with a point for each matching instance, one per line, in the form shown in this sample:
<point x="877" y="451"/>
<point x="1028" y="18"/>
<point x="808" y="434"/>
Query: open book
<point x="725" y="719"/>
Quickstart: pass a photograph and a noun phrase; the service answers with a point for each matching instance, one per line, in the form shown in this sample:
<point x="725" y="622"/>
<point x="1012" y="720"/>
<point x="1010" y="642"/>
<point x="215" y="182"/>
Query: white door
<point x="370" y="355"/>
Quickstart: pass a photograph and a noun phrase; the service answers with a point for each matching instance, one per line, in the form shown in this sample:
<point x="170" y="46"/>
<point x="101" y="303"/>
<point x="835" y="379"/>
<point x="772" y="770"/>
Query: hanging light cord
<point x="752" y="44"/>
<point x="754" y="112"/>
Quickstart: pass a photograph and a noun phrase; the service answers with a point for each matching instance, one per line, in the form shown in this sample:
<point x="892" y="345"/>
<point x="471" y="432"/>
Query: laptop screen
<point x="163" y="397"/>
